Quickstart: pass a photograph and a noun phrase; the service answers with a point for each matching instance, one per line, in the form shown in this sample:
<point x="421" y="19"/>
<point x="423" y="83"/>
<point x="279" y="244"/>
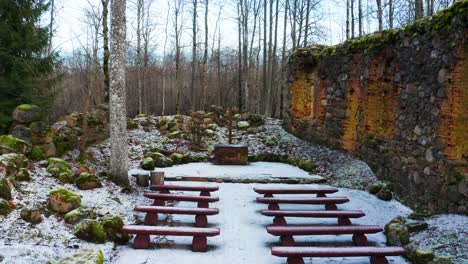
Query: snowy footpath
<point x="243" y="236"/>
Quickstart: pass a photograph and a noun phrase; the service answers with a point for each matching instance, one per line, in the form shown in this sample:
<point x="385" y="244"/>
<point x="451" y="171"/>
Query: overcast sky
<point x="71" y="29"/>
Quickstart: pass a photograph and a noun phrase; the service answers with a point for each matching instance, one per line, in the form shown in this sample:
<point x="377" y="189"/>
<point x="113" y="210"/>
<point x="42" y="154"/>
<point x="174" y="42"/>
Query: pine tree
<point x="24" y="62"/>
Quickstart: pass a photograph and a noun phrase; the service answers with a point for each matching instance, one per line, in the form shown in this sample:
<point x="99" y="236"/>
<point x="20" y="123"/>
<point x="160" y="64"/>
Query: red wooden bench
<point x="343" y="216"/>
<point x="329" y="202"/>
<point x="269" y="191"/>
<point x="142" y="239"/>
<point x="376" y="254"/>
<point x="201" y="219"/>
<point x="160" y="198"/>
<point x="286" y="233"/>
<point x="204" y="190"/>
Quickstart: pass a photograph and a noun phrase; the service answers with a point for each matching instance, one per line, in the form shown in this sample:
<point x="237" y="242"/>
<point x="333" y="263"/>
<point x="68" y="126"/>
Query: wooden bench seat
<point x="329" y="202"/>
<point x="142" y="239"/>
<point x="343" y="216"/>
<point x="269" y="191"/>
<point x="166" y="188"/>
<point x="160" y="198"/>
<point x="286" y="233"/>
<point x="376" y="254"/>
<point x="201" y="219"/>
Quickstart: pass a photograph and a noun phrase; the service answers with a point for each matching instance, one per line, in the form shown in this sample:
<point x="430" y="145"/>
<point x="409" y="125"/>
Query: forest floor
<point x="243" y="236"/>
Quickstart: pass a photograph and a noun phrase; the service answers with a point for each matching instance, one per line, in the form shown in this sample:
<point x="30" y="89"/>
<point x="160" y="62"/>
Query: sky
<point x="71" y="30"/>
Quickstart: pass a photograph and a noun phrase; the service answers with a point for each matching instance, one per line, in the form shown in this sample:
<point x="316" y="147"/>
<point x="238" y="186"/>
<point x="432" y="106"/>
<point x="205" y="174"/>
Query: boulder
<point x="161" y="161"/>
<point x="415" y="225"/>
<point x="26" y="113"/>
<point x="22" y="132"/>
<point x="63" y="200"/>
<point x="23" y="175"/>
<point x="306" y="165"/>
<point x="79" y="214"/>
<point x="256" y="119"/>
<point x="131" y="124"/>
<point x="5" y="190"/>
<point x="11" y="144"/>
<point x="48" y="149"/>
<point x="385" y="194"/>
<point x="243" y="125"/>
<point x="37" y="153"/>
<point x="4" y="207"/>
<point x="31" y="215"/>
<point x="375" y="188"/>
<point x="88" y="181"/>
<point x="85" y="256"/>
<point x="113" y="227"/>
<point x="419" y="255"/>
<point x="39" y="128"/>
<point x="147" y="163"/>
<point x="91" y="231"/>
<point x="397" y="232"/>
<point x="177" y="158"/>
<point x="14" y="162"/>
<point x="60" y="169"/>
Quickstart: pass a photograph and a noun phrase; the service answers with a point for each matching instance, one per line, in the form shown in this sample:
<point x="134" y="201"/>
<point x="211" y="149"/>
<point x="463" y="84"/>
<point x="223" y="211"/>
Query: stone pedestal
<point x="231" y="155"/>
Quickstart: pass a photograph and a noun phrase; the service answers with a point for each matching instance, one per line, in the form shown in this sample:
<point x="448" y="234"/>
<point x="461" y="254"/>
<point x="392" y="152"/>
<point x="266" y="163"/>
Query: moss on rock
<point x="11" y="144"/>
<point x="63" y="200"/>
<point x="4" y="207"/>
<point x="79" y="214"/>
<point x="61" y="170"/>
<point x="147" y="163"/>
<point x="88" y="181"/>
<point x="85" y="256"/>
<point x="31" y="215"/>
<point x="306" y="165"/>
<point x="14" y="162"/>
<point x="5" y="190"/>
<point x="113" y="227"/>
<point x="37" y="153"/>
<point x="23" y="175"/>
<point x="91" y="231"/>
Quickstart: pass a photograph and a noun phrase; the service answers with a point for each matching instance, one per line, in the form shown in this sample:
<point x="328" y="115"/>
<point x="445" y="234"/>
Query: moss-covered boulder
<point x="26" y="113"/>
<point x="113" y="227"/>
<point x="31" y="215"/>
<point x="397" y="232"/>
<point x="375" y="188"/>
<point x="385" y="194"/>
<point x="88" y="181"/>
<point x="48" y="149"/>
<point x="11" y="144"/>
<point x="22" y="132"/>
<point x="61" y="170"/>
<point x="148" y="164"/>
<point x="14" y="162"/>
<point x="5" y="190"/>
<point x="418" y="255"/>
<point x="37" y="153"/>
<point x="243" y="125"/>
<point x="4" y="207"/>
<point x="177" y="158"/>
<point x="79" y="214"/>
<point x="306" y="165"/>
<point x="91" y="231"/>
<point x="132" y="124"/>
<point x="256" y="120"/>
<point x="160" y="160"/>
<point x="85" y="256"/>
<point x="23" y="175"/>
<point x="63" y="200"/>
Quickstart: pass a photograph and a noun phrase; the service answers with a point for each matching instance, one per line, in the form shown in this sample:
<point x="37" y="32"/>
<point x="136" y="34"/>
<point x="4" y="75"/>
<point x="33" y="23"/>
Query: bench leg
<point x="141" y="242"/>
<point x="201" y="221"/>
<point x="279" y="221"/>
<point x="378" y="260"/>
<point x="205" y="193"/>
<point x="287" y="241"/>
<point x="295" y="260"/>
<point x="159" y="203"/>
<point x="344" y="221"/>
<point x="199" y="244"/>
<point x="331" y="207"/>
<point x="321" y="195"/>
<point x="273" y="207"/>
<point x="360" y="240"/>
<point x="268" y="195"/>
<point x="151" y="219"/>
<point x="203" y="205"/>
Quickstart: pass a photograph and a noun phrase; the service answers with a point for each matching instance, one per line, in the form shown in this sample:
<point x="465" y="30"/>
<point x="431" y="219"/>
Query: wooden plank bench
<point x="269" y="191"/>
<point x="286" y="233"/>
<point x="142" y="239"/>
<point x="343" y="216"/>
<point x="201" y="219"/>
<point x="376" y="254"/>
<point x="160" y="198"/>
<point x="329" y="202"/>
<point x="166" y="188"/>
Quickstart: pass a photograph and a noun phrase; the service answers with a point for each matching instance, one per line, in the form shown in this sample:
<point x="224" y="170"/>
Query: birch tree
<point x="118" y="112"/>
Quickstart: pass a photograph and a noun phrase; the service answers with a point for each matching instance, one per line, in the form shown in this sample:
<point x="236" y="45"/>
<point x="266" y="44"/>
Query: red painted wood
<point x="170" y="231"/>
<point x="295" y="200"/>
<point x="294" y="190"/>
<point x="295" y="260"/>
<point x="378" y="260"/>
<point x="336" y="251"/>
<point x="323" y="230"/>
<point x="168" y="187"/>
<point x="180" y="197"/>
<point x="199" y="244"/>
<point x="141" y="242"/>
<point x="177" y="210"/>
<point x="315" y="214"/>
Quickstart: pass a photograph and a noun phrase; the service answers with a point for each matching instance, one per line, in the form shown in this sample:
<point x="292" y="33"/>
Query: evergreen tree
<point x="24" y="67"/>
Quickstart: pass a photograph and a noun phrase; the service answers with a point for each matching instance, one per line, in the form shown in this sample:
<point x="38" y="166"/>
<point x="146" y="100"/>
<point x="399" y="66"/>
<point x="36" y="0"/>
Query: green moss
<point x="26" y="107"/>
<point x="422" y="255"/>
<point x="177" y="158"/>
<point x="375" y="188"/>
<point x="147" y="164"/>
<point x="32" y="215"/>
<point x="306" y="165"/>
<point x="87" y="181"/>
<point x="60" y="169"/>
<point x="37" y="153"/>
<point x="5" y="190"/>
<point x="91" y="231"/>
<point x="9" y="143"/>
<point x="85" y="256"/>
<point x="4" y="207"/>
<point x="23" y="175"/>
<point x="66" y="177"/>
<point x="79" y="214"/>
<point x="66" y="195"/>
<point x="60" y="162"/>
<point x="397" y="220"/>
<point x="113" y="226"/>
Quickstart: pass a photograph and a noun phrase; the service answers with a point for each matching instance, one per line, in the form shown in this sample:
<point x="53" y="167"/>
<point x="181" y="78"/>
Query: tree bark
<point x="347" y="19"/>
<point x="283" y="61"/>
<point x="379" y="14"/>
<point x="306" y="30"/>
<point x="205" y="60"/>
<point x="139" y="60"/>
<point x="118" y="111"/>
<point x="194" y="57"/>
<point x="360" y="18"/>
<point x="352" y="19"/>
<point x="105" y="33"/>
<point x="265" y="57"/>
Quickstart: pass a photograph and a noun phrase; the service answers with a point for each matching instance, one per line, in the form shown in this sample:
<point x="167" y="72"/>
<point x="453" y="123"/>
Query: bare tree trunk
<point x="51" y="26"/>
<point x="239" y="27"/>
<point x="194" y="104"/>
<point x="245" y="43"/>
<point x="205" y="60"/>
<point x="352" y="19"/>
<point x="390" y="14"/>
<point x="283" y="61"/>
<point x="118" y="110"/>
<point x="418" y="9"/>
<point x="139" y="60"/>
<point x="265" y="56"/>
<point x="274" y="84"/>
<point x="379" y="14"/>
<point x="178" y="30"/>
<point x="360" y="17"/>
<point x="347" y="19"/>
<point x="163" y="111"/>
<point x="105" y="33"/>
<point x="306" y="33"/>
<point x="301" y="21"/>
<point x="293" y="29"/>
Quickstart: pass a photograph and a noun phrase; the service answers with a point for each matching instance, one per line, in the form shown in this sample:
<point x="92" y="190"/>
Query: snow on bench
<point x="142" y="239"/>
<point x="204" y="190"/>
<point x="329" y="202"/>
<point x="376" y="254"/>
<point x="286" y="233"/>
<point x="201" y="219"/>
<point x="160" y="198"/>
<point x="343" y="216"/>
<point x="269" y="191"/>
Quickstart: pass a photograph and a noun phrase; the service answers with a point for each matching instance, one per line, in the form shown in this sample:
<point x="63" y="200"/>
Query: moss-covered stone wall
<point x="396" y="99"/>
